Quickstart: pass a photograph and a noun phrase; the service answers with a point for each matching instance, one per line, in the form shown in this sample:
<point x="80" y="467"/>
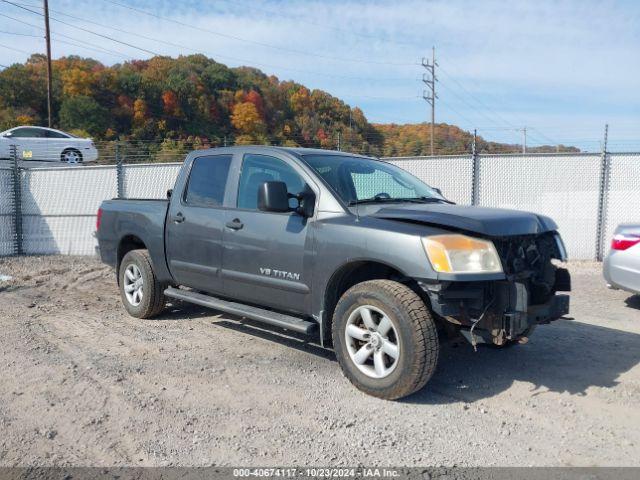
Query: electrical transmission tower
<point x="429" y="94"/>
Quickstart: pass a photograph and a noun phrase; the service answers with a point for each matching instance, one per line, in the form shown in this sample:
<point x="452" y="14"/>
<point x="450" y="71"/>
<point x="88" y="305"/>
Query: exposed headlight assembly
<point x="461" y="254"/>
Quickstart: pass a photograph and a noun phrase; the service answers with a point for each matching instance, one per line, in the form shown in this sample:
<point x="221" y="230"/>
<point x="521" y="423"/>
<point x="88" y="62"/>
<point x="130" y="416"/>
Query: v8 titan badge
<point x="27" y="154"/>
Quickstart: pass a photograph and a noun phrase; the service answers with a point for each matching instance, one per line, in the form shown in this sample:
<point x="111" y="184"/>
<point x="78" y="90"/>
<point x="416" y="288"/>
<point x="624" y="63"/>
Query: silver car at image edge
<point x="621" y="267"/>
<point x="47" y="145"/>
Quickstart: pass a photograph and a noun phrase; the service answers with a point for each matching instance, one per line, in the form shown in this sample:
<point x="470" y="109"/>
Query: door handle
<point x="179" y="217"/>
<point x="235" y="224"/>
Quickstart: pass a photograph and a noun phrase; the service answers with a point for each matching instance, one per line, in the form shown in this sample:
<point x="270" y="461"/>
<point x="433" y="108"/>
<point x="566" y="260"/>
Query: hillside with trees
<point x="415" y="139"/>
<point x="197" y="100"/>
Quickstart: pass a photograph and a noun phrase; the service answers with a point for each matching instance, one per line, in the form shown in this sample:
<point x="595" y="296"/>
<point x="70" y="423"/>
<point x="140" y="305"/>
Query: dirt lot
<point x="84" y="384"/>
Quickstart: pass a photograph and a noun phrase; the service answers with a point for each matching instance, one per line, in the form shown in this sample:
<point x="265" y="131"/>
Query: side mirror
<point x="169" y="193"/>
<point x="273" y="197"/>
<point x="437" y="190"/>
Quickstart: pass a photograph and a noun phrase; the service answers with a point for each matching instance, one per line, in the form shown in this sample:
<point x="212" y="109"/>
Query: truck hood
<point x="492" y="222"/>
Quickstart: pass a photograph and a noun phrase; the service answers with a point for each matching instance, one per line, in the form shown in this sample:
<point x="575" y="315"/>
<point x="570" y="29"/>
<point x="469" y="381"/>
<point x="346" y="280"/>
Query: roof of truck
<point x="314" y="151"/>
<point x="295" y="150"/>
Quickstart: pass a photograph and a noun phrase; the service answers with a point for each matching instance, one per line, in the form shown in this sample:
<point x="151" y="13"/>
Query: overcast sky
<point x="562" y="69"/>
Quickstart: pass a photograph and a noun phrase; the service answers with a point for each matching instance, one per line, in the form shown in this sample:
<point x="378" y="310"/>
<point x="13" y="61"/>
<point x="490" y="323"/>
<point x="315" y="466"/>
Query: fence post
<point x="17" y="201"/>
<point x="603" y="190"/>
<point x="475" y="172"/>
<point x="119" y="171"/>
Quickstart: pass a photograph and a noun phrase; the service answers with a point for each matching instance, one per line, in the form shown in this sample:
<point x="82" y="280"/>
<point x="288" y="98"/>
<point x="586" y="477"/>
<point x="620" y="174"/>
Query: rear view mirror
<point x="273" y="197"/>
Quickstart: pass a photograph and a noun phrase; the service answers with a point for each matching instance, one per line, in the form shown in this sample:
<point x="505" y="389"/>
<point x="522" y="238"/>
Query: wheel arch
<point x="352" y="273"/>
<point x="127" y="243"/>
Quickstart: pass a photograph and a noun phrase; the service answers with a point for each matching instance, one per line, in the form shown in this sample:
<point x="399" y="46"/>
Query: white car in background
<point x="621" y="267"/>
<point x="47" y="145"/>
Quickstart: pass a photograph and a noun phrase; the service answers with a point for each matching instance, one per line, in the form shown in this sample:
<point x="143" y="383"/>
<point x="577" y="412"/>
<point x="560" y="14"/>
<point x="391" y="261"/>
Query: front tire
<point x="71" y="156"/>
<point x="141" y="293"/>
<point x="385" y="339"/>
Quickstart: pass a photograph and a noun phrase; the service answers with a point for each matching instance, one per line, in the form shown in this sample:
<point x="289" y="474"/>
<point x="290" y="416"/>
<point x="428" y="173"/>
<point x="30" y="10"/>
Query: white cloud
<point x="569" y="63"/>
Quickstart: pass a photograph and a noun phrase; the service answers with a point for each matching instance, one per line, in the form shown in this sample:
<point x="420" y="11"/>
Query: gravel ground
<point x="85" y="384"/>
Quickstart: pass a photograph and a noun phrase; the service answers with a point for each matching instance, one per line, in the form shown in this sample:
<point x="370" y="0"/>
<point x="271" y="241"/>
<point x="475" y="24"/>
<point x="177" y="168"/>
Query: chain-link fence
<point x="52" y="209"/>
<point x="622" y="192"/>
<point x="7" y="213"/>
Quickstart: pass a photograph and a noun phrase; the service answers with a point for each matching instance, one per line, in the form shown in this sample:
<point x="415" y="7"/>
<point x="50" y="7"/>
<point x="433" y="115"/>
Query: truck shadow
<point x="566" y="356"/>
<point x="298" y="341"/>
<point x="633" y="302"/>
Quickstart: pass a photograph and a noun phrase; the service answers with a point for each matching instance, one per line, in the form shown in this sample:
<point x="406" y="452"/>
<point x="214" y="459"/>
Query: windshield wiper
<point x="433" y="200"/>
<point x="400" y="200"/>
<point x="373" y="200"/>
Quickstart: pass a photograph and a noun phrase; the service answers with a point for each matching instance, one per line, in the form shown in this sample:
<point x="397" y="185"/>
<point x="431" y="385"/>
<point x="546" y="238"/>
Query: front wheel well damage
<point x="352" y="274"/>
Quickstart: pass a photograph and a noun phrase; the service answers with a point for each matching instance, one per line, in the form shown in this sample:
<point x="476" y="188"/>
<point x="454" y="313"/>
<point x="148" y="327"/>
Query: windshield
<point x="357" y="179"/>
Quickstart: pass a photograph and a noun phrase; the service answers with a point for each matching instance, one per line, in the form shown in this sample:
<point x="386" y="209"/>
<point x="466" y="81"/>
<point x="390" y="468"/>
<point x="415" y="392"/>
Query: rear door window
<point x="207" y="181"/>
<point x="52" y="134"/>
<point x="27" y="132"/>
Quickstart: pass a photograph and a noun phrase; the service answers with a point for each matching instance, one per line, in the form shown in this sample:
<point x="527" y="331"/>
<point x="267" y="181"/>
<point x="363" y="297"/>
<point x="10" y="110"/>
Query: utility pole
<point x="474" y="145"/>
<point x="524" y="139"/>
<point x="475" y="170"/>
<point x="338" y="140"/>
<point x="602" y="196"/>
<point x="429" y="79"/>
<point x="48" y="39"/>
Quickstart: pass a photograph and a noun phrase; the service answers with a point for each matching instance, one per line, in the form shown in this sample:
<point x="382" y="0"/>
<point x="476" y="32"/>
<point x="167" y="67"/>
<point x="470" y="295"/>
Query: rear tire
<point x="399" y="324"/>
<point x="141" y="293"/>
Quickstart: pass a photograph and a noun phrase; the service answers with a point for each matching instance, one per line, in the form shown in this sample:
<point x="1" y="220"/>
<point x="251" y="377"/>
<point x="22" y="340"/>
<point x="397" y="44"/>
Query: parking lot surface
<point x="85" y="384"/>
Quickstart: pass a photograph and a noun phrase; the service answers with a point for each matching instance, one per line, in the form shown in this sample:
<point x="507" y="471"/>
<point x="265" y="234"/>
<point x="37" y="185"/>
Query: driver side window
<point x="257" y="169"/>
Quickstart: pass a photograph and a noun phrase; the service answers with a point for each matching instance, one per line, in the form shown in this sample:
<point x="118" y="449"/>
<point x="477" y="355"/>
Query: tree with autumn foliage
<point x="194" y="100"/>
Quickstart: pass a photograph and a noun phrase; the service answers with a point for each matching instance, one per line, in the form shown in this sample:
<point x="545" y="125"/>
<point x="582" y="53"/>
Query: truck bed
<point x="134" y="220"/>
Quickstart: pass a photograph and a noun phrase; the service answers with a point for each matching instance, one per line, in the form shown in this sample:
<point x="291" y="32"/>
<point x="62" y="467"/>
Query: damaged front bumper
<point x="499" y="311"/>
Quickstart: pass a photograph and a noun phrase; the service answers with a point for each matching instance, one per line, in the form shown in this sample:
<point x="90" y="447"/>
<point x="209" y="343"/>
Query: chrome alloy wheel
<point x="133" y="284"/>
<point x="372" y="341"/>
<point x="71" y="156"/>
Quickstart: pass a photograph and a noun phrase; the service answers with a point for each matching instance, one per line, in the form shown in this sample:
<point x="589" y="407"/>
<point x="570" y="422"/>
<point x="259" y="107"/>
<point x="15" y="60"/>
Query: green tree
<point x="82" y="112"/>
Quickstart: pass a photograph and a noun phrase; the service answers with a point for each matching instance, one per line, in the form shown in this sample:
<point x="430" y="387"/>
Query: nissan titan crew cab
<point x="377" y="264"/>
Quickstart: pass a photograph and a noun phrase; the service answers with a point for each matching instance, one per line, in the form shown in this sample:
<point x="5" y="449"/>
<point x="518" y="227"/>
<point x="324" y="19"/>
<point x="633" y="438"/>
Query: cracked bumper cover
<point x="510" y="307"/>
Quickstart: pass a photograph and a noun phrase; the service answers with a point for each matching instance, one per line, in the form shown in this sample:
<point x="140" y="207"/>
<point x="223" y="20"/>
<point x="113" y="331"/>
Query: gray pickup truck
<point x="377" y="264"/>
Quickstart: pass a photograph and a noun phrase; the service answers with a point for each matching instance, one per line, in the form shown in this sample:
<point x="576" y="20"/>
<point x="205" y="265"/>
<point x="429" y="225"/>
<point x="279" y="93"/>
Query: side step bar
<point x="254" y="313"/>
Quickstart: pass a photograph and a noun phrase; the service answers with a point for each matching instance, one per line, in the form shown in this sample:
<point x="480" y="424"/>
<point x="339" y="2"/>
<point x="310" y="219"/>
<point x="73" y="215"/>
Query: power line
<point x="84" y="29"/>
<point x="261" y="44"/>
<point x="553" y="142"/>
<point x="251" y="62"/>
<point x="397" y="98"/>
<point x="84" y="42"/>
<point x="15" y="49"/>
<point x="20" y="34"/>
<point x="482" y="112"/>
<point x="318" y="24"/>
